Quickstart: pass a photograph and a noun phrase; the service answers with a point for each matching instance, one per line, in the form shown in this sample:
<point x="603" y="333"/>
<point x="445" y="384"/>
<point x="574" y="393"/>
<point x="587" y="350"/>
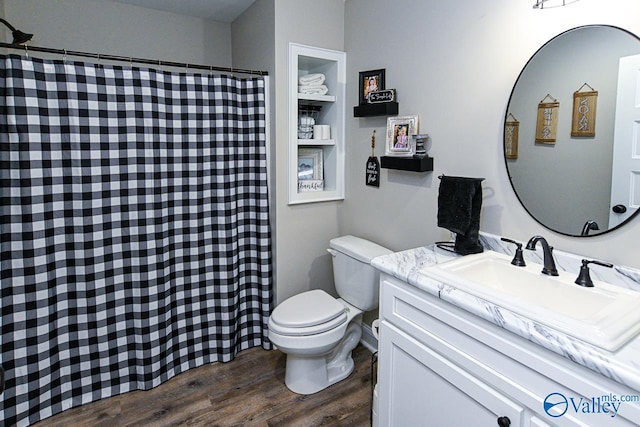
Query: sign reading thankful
<point x="310" y="185"/>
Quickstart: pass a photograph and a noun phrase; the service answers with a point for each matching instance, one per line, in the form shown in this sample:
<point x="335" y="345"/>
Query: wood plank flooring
<point x="249" y="391"/>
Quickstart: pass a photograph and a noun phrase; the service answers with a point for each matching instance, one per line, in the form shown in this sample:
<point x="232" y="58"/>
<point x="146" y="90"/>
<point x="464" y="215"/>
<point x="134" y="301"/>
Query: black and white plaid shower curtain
<point x="135" y="231"/>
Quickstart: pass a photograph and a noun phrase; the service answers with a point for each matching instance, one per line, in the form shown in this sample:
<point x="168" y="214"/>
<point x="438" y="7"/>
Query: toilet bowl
<point x="318" y="332"/>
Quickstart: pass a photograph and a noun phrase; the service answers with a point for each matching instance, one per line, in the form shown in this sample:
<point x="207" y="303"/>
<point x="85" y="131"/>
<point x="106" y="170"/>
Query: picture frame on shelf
<point x="399" y="130"/>
<point x="370" y="81"/>
<point x="310" y="164"/>
<point x="310" y="170"/>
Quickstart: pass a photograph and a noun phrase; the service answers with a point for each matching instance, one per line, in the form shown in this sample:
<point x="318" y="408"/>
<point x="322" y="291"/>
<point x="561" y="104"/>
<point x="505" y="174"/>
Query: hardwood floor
<point x="248" y="391"/>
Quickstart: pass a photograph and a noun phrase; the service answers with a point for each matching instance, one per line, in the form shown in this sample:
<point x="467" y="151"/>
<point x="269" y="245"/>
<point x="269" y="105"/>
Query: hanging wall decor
<point x="583" y="123"/>
<point x="373" y="166"/>
<point x="547" y="123"/>
<point x="511" y="130"/>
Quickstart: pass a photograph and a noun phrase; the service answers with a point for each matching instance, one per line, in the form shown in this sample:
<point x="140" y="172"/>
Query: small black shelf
<point x="414" y="164"/>
<point x="381" y="109"/>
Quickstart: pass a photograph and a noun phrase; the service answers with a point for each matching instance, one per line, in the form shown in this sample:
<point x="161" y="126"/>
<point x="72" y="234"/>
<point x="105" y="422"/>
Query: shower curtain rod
<point x="130" y="60"/>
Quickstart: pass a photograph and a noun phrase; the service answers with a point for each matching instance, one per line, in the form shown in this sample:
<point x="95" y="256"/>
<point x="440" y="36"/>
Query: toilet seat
<point x="308" y="313"/>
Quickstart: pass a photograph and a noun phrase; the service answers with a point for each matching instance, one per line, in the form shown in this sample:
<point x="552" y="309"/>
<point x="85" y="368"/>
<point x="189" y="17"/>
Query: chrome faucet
<point x="549" y="264"/>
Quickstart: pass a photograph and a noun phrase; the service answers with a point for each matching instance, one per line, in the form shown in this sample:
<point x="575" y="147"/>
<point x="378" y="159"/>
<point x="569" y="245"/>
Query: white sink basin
<point x="606" y="316"/>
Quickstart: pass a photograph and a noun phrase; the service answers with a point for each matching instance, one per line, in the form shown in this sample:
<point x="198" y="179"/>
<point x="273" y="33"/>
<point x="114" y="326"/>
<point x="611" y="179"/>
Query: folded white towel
<point x="312" y="79"/>
<point x="313" y="90"/>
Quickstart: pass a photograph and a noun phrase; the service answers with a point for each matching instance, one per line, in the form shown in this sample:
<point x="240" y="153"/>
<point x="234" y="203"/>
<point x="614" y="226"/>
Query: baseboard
<point x="368" y="340"/>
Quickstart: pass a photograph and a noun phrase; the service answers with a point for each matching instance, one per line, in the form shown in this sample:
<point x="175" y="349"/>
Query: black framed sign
<point x="387" y="95"/>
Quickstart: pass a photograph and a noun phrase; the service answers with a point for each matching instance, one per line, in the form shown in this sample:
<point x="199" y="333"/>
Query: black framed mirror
<point x="577" y="173"/>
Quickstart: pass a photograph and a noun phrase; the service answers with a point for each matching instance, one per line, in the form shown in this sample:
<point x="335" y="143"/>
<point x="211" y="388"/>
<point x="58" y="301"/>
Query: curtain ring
<point x="64" y="57"/>
<point x="210" y="70"/>
<point x="26" y="50"/>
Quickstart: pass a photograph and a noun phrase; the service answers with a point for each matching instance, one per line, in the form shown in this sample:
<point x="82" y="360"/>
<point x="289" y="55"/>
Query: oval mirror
<point x="569" y="131"/>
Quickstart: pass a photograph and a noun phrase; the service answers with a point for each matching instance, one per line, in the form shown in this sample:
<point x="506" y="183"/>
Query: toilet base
<point x="310" y="374"/>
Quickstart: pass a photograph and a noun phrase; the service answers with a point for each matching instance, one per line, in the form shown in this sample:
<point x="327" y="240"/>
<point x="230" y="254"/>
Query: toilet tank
<point x="356" y="281"/>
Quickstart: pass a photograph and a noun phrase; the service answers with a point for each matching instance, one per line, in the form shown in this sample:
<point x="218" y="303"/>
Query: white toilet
<point x="317" y="331"/>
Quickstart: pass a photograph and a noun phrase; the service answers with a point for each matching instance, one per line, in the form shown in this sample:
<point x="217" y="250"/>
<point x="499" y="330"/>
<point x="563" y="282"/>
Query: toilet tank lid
<point x="360" y="249"/>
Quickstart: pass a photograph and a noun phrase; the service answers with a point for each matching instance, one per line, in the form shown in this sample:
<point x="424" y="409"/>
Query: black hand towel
<point x="459" y="203"/>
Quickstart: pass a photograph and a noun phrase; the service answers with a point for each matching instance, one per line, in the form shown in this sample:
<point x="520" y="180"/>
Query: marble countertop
<point x="622" y="366"/>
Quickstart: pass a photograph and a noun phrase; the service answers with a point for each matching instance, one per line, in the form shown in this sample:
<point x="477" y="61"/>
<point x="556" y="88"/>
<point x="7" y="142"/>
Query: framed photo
<point x="310" y="164"/>
<point x="370" y="81"/>
<point x="399" y="130"/>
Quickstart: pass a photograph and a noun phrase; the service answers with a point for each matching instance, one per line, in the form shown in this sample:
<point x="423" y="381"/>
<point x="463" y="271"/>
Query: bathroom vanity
<point x="449" y="358"/>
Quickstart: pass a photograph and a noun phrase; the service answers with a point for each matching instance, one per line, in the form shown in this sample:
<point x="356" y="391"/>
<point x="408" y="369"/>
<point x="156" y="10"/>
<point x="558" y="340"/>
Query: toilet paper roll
<point x="326" y="131"/>
<point x="375" y="328"/>
<point x="322" y="132"/>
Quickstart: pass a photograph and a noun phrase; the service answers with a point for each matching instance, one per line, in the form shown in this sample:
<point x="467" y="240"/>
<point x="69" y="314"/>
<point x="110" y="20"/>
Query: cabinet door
<point x="419" y="387"/>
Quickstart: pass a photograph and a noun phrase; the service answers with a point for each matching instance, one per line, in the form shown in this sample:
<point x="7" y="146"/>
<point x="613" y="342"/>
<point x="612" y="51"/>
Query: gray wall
<point x="454" y="63"/>
<point x="120" y="29"/>
<point x="302" y="231"/>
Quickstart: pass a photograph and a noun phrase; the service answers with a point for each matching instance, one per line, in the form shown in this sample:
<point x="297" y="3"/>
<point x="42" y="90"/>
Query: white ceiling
<point x="216" y="10"/>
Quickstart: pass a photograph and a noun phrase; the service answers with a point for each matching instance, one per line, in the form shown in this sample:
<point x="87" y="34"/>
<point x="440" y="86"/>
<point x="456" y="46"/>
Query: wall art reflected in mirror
<point x="579" y="185"/>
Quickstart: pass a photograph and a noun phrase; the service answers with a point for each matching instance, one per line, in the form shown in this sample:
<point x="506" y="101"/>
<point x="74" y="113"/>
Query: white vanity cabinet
<point x="424" y="388"/>
<point x="439" y="365"/>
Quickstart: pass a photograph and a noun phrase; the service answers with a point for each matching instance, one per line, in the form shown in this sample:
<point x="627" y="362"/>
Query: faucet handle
<point x="518" y="258"/>
<point x="584" y="278"/>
